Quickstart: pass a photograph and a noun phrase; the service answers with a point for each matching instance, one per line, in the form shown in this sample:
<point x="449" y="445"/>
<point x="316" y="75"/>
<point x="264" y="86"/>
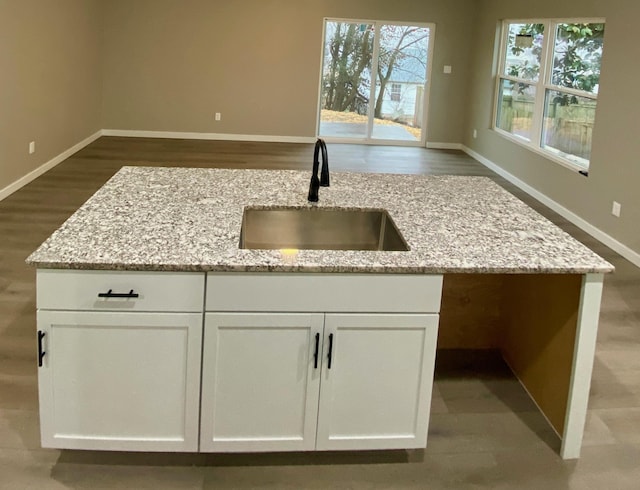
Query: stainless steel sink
<point x="320" y="229"/>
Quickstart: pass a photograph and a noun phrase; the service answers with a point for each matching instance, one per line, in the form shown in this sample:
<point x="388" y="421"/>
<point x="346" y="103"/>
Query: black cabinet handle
<point x="41" y="352"/>
<point x="315" y="354"/>
<point x="330" y="351"/>
<point x="111" y="294"/>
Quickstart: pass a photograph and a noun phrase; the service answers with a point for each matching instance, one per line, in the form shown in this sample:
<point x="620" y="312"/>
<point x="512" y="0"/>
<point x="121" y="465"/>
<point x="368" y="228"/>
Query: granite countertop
<point x="185" y="219"/>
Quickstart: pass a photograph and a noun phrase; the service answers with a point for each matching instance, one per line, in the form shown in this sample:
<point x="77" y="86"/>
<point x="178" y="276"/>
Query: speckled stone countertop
<point x="184" y="219"/>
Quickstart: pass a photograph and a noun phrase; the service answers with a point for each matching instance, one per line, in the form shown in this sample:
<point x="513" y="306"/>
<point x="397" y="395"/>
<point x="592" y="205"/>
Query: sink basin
<point x="320" y="229"/>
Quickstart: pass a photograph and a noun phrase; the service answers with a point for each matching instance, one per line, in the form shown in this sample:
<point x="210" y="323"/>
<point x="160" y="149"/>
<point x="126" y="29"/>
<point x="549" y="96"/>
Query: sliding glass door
<point x="346" y="79"/>
<point x="374" y="81"/>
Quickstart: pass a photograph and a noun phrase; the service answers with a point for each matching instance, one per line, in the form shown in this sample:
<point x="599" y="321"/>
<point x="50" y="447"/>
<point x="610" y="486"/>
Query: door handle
<point x="41" y="351"/>
<point x="330" y="351"/>
<point x="111" y="294"/>
<point x="315" y="354"/>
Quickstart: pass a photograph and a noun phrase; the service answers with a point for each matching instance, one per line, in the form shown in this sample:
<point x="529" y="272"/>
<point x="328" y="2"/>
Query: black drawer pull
<point x="111" y="294"/>
<point x="41" y="351"/>
<point x="315" y="354"/>
<point x="330" y="351"/>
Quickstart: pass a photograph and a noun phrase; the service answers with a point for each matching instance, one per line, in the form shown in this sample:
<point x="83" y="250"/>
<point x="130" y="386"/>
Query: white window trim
<point x="542" y="85"/>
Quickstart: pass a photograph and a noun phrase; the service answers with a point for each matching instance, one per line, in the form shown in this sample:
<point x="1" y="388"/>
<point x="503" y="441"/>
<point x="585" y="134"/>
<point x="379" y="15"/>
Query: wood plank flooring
<point x="484" y="431"/>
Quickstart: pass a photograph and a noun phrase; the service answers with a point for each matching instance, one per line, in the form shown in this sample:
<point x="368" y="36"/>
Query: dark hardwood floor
<point x="478" y="438"/>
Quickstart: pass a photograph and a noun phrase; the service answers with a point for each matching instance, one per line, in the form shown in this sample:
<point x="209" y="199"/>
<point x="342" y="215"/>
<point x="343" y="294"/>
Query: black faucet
<point x="323" y="181"/>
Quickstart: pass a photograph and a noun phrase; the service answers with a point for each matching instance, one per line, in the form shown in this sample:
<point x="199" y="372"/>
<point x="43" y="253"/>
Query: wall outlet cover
<point x="616" y="208"/>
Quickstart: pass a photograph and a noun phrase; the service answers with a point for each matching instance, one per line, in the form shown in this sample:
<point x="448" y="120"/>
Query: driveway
<point x="356" y="130"/>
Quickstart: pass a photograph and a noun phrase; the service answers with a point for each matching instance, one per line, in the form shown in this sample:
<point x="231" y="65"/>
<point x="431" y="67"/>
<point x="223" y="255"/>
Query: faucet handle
<point x="313" y="189"/>
<point x="324" y="172"/>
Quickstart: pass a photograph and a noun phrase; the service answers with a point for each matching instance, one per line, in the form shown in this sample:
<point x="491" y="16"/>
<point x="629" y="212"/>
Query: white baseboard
<point x="444" y="146"/>
<point x="132" y="133"/>
<point x="628" y="253"/>
<point x="207" y="136"/>
<point x="34" y="174"/>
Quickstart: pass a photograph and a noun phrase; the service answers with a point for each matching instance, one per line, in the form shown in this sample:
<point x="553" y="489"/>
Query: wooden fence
<point x="567" y="128"/>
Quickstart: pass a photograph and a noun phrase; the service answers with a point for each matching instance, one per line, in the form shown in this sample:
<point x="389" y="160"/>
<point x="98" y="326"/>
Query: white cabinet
<point x="265" y="375"/>
<point x="323" y="292"/>
<point x="376" y="393"/>
<point x="119" y="380"/>
<point x="69" y="289"/>
<point x="260" y="382"/>
<point x="288" y="362"/>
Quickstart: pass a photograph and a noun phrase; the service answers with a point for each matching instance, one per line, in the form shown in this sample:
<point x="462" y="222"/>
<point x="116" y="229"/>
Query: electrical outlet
<point x="218" y="116"/>
<point x="32" y="147"/>
<point x="615" y="210"/>
<point x="475" y="133"/>
<point x="447" y="69"/>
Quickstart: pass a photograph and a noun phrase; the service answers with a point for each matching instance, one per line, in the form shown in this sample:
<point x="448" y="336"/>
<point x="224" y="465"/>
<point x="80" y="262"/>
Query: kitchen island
<point x="160" y="246"/>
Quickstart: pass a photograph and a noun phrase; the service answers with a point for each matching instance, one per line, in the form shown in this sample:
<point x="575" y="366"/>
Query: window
<point x="374" y="81"/>
<point x="396" y="91"/>
<point x="547" y="86"/>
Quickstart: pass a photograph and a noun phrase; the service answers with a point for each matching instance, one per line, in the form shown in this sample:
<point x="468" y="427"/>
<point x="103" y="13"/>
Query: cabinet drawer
<point x="156" y="291"/>
<point x="371" y="293"/>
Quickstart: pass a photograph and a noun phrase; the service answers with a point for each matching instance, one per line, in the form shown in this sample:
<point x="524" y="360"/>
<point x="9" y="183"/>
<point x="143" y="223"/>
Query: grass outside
<point x="353" y="118"/>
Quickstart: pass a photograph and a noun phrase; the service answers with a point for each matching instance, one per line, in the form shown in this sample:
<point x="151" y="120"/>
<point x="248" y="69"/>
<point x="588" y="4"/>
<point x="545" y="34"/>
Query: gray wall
<point x="50" y="80"/>
<point x="615" y="162"/>
<point x="171" y="64"/>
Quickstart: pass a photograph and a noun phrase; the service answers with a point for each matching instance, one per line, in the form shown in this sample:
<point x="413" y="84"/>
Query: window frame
<point x="395" y="95"/>
<point x="542" y="85"/>
<point x="426" y="103"/>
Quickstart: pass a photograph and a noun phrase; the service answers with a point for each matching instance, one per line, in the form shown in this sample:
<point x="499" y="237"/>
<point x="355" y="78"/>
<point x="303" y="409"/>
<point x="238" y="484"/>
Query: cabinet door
<point x="120" y="381"/>
<point x="260" y="382"/>
<point x="376" y="392"/>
